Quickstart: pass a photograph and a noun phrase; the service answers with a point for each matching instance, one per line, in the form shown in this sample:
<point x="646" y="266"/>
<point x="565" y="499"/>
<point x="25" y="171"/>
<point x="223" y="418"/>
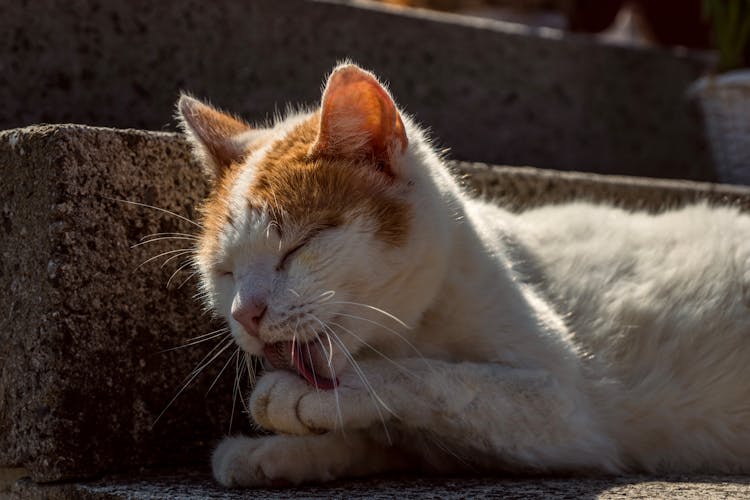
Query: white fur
<point x="567" y="338"/>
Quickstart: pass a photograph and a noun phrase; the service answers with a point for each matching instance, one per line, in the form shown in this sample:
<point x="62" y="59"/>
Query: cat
<point x="407" y="325"/>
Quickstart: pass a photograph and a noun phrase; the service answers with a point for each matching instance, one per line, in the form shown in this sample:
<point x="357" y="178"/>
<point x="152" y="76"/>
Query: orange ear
<point x="358" y="119"/>
<point x="214" y="134"/>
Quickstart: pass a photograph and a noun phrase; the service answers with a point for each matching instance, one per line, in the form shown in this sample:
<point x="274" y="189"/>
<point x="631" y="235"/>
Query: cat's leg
<point x="517" y="417"/>
<point x="276" y="460"/>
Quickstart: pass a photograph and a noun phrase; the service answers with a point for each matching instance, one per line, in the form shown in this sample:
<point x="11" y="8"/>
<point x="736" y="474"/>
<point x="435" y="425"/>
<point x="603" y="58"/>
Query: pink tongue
<point x="281" y="356"/>
<point x="317" y="380"/>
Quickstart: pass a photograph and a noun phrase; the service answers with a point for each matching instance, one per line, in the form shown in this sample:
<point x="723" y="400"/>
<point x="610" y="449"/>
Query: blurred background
<point x="665" y="22"/>
<point x="603" y="86"/>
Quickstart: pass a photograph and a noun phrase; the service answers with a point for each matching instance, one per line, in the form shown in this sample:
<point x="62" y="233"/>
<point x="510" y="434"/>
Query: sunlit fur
<point x="568" y="338"/>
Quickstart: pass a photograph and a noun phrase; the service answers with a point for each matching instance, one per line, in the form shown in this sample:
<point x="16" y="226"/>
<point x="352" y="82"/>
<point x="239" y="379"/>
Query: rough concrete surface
<point x="82" y="377"/>
<point x="521" y="188"/>
<point x="188" y="484"/>
<point x="490" y="91"/>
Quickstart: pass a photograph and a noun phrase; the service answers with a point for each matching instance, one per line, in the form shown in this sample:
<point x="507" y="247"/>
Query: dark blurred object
<point x="666" y="22"/>
<point x="458" y="5"/>
<point x="730" y="22"/>
<point x="724" y="95"/>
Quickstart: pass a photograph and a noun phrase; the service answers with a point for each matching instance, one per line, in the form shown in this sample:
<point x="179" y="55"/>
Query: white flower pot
<point x="725" y="100"/>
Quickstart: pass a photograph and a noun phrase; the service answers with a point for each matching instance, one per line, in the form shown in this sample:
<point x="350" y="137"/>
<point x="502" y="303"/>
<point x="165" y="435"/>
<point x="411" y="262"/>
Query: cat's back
<point x="615" y="273"/>
<point x="660" y="304"/>
<point x="593" y="258"/>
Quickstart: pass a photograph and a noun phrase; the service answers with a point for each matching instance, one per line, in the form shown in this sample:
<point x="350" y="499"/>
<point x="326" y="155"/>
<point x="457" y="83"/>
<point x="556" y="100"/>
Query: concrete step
<point x="198" y="484"/>
<point x="82" y="375"/>
<point x="491" y="91"/>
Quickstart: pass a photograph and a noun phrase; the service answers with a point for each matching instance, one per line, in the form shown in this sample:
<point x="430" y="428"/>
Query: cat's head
<point x="322" y="229"/>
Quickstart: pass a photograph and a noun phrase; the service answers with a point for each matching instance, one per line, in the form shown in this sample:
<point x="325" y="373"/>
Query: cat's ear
<point x="216" y="136"/>
<point x="358" y="119"/>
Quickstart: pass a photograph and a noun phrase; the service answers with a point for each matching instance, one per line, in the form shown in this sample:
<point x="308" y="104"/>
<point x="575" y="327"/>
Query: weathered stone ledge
<point x="82" y="375"/>
<point x="197" y="484"/>
<point x="490" y="91"/>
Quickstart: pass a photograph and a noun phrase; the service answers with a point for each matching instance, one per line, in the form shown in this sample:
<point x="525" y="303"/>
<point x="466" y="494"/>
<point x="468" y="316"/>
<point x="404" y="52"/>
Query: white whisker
<point x="377" y="351"/>
<point x="251" y="379"/>
<point x="332" y="371"/>
<point x="190" y="378"/>
<point x="203" y="338"/>
<point x="356" y="366"/>
<point x="377" y="401"/>
<point x="183" y="266"/>
<point x="330" y="347"/>
<point x="235" y="389"/>
<point x="235" y="353"/>
<point x="176" y="256"/>
<point x="323" y="297"/>
<point x="294" y="347"/>
<point x="312" y="366"/>
<point x="218" y="345"/>
<point x="376" y="309"/>
<point x="370" y="389"/>
<point x="187" y="279"/>
<point x="158" y="235"/>
<point x="162" y="238"/>
<point x="156" y="208"/>
<point x="250" y="365"/>
<point x="223" y="329"/>
<point x="169" y="252"/>
<point x="447" y="450"/>
<point x="394" y="332"/>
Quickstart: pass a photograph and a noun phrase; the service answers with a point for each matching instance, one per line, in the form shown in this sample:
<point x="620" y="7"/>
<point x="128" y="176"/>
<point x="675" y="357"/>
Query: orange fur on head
<point x="338" y="163"/>
<point x="312" y="192"/>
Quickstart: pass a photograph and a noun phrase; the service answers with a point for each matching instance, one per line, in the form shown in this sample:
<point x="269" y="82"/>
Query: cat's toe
<point x="268" y="461"/>
<point x="234" y="464"/>
<point x="274" y="403"/>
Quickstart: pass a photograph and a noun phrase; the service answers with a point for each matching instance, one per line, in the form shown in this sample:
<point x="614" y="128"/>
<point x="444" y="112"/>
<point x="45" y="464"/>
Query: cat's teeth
<point x="305" y="359"/>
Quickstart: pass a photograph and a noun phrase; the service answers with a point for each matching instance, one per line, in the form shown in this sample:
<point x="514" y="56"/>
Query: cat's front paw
<point x="285" y="403"/>
<point x="264" y="461"/>
<point x="275" y="401"/>
<point x="233" y="463"/>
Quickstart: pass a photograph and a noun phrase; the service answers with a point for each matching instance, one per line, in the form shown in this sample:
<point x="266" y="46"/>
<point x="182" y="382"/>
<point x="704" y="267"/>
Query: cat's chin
<point x="306" y="360"/>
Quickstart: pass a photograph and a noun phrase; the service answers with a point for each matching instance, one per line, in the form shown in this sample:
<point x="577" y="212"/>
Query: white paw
<point x="285" y="403"/>
<point x="232" y="463"/>
<point x="274" y="403"/>
<point x="267" y="461"/>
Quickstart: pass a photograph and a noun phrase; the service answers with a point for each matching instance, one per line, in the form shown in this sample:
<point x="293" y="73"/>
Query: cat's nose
<point x="249" y="313"/>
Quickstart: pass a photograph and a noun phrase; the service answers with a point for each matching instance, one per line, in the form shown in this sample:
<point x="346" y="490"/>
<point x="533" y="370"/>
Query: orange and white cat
<point x="406" y="324"/>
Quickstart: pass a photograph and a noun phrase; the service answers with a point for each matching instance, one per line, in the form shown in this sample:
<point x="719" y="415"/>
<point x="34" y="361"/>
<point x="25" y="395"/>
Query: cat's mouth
<point x="307" y="360"/>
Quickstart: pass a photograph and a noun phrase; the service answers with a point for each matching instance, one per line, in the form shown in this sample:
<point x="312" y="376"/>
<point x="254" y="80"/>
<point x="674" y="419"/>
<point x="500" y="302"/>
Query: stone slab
<point x="82" y="378"/>
<point x="490" y="91"/>
<point x="196" y="484"/>
<point x="522" y="188"/>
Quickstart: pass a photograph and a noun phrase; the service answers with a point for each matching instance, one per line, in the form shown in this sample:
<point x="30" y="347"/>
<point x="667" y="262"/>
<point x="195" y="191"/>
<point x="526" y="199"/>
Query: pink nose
<point x="248" y="313"/>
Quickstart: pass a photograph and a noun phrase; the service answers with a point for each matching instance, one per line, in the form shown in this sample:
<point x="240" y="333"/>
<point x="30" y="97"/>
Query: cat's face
<point x="312" y="233"/>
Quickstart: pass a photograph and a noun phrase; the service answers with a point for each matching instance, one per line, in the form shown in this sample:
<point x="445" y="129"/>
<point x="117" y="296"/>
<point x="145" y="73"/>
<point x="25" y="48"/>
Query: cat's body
<point x="570" y="338"/>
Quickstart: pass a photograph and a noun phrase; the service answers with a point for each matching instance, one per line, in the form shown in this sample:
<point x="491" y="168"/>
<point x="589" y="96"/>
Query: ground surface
<point x="189" y="484"/>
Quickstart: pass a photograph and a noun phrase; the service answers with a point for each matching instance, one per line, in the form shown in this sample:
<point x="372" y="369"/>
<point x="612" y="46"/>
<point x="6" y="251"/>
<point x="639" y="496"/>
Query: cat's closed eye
<point x="285" y="259"/>
<point x="290" y="253"/>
